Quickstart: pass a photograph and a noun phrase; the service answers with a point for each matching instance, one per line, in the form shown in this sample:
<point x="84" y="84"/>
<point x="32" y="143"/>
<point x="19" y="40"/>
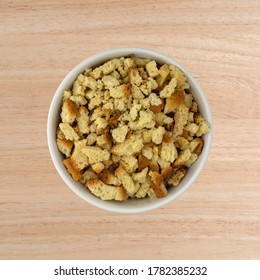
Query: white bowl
<point x="132" y="205"/>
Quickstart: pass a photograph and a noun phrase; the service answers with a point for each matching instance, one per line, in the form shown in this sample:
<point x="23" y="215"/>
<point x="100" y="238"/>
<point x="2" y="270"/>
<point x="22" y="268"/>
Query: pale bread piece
<point x="100" y="124"/>
<point x="95" y="98"/>
<point x="151" y="193"/>
<point x="191" y="160"/>
<point x="87" y="71"/>
<point x="126" y="180"/>
<point x="169" y="152"/>
<point x="89" y="82"/>
<point x="178" y="75"/>
<point x="192" y="128"/>
<point x="90" y="94"/>
<point x="79" y="159"/>
<point x="91" y="139"/>
<point x="169" y="89"/>
<point x="116" y="75"/>
<point x="176" y="177"/>
<point x="144" y="188"/>
<point x="129" y="147"/>
<point x="174" y="101"/>
<point x="151" y="68"/>
<point x="66" y="95"/>
<point x="69" y="111"/>
<point x="141" y="176"/>
<point x="111" y="65"/>
<point x="83" y="120"/>
<point x="60" y="134"/>
<point x="110" y="82"/>
<point x="106" y="192"/>
<point x="134" y="111"/>
<point x="161" y="119"/>
<point x="95" y="154"/>
<point x="119" y="133"/>
<point x="180" y="119"/>
<point x="191" y="117"/>
<point x="120" y="91"/>
<point x="129" y="62"/>
<point x="155" y="150"/>
<point x="141" y="62"/>
<point x="78" y="88"/>
<point x="97" y="113"/>
<point x="182" y="143"/>
<point x="65" y="146"/>
<point x="134" y="76"/>
<point x="129" y="163"/>
<point x="148" y="85"/>
<point x="203" y="129"/>
<point x="157" y="134"/>
<point x="95" y="101"/>
<point x="115" y="159"/>
<point x="79" y="100"/>
<point x="157" y="184"/>
<point x="137" y="94"/>
<point x="147" y="152"/>
<point x="98" y="167"/>
<point x="147" y="135"/>
<point x="137" y="187"/>
<point x="163" y="163"/>
<point x="188" y="98"/>
<point x="123" y="73"/>
<point x="97" y="73"/>
<point x="146" y="120"/>
<point x="143" y="73"/>
<point x="68" y="132"/>
<point x="183" y="157"/>
<point x="72" y="169"/>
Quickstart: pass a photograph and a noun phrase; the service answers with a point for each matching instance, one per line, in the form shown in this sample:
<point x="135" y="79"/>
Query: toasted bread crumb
<point x="157" y="184"/>
<point x="75" y="173"/>
<point x="176" y="177"/>
<point x="106" y="192"/>
<point x="173" y="101"/>
<point x="65" y="146"/>
<point x="69" y="111"/>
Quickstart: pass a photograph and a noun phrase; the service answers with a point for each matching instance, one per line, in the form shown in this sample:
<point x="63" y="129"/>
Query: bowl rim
<point x="86" y="63"/>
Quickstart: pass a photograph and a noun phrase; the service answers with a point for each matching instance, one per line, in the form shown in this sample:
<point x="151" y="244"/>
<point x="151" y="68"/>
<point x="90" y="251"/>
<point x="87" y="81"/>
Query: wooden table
<point x="218" y="217"/>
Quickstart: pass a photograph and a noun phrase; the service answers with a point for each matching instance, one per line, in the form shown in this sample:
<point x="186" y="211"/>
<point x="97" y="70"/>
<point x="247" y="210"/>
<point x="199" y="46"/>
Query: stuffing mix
<point x="130" y="128"/>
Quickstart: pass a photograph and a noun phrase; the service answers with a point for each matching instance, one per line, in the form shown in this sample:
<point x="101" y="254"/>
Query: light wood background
<point x="218" y="217"/>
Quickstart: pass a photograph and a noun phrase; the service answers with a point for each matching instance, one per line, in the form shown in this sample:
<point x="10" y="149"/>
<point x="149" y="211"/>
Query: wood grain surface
<point x="218" y="217"/>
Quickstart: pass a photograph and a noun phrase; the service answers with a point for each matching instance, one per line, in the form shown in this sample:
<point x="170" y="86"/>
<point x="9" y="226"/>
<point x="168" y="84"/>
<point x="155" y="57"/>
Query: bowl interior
<point x="132" y="205"/>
